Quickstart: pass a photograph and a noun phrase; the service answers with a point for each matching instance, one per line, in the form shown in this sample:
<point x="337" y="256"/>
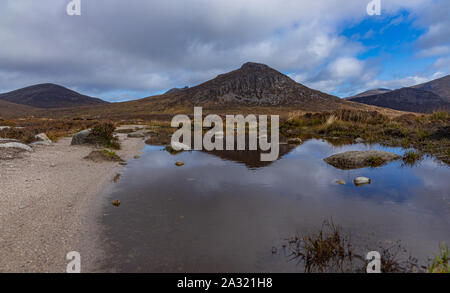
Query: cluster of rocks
<point x="11" y="148"/>
<point x="360" y="159"/>
<point x="41" y="139"/>
<point x="358" y="181"/>
<point x="81" y="137"/>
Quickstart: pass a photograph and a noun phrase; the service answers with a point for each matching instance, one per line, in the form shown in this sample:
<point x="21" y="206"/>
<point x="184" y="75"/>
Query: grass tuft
<point x="440" y="263"/>
<point x="103" y="134"/>
<point x="411" y="158"/>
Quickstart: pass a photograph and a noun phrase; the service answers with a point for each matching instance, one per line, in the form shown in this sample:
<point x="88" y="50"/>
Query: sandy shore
<point x="47" y="201"/>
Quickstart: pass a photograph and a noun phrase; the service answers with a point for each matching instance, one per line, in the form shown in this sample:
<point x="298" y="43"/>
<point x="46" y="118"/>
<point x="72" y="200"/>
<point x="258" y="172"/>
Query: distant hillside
<point x="253" y="89"/>
<point x="49" y="96"/>
<point x="371" y="93"/>
<point x="423" y="98"/>
<point x="406" y="99"/>
<point x="440" y="87"/>
<point x="11" y="110"/>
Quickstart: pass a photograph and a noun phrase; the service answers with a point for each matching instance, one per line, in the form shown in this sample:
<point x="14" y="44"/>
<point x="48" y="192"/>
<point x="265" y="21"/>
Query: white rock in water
<point x="362" y="181"/>
<point x="178" y="146"/>
<point x="16" y="145"/>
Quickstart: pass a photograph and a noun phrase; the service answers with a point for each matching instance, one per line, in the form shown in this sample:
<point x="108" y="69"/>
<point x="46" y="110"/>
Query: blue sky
<point x="389" y="42"/>
<point x="121" y="50"/>
<point x="390" y="39"/>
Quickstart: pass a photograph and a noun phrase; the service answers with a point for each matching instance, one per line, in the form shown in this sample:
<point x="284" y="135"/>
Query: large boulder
<point x="361" y="159"/>
<point x="16" y="145"/>
<point x="81" y="137"/>
<point x="42" y="139"/>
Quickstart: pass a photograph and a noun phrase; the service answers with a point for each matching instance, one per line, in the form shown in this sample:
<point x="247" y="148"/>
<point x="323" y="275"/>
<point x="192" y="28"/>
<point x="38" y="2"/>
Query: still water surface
<point x="223" y="212"/>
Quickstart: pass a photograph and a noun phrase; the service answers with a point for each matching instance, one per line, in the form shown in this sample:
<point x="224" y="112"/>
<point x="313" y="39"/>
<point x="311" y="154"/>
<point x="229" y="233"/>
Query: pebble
<point x="340" y="182"/>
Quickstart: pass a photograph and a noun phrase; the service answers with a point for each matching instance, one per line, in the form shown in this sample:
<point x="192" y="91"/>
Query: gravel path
<point x="47" y="205"/>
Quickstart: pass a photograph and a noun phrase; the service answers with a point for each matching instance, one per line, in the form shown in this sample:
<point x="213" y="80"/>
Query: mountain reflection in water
<point x="223" y="212"/>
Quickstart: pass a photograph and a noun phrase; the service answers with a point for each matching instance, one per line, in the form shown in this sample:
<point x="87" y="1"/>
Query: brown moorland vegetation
<point x="428" y="134"/>
<point x="26" y="128"/>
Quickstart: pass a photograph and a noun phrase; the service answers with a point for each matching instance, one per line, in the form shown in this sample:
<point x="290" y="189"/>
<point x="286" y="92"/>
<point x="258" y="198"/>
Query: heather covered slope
<point x="48" y="96"/>
<point x="256" y="85"/>
<point x="371" y="93"/>
<point x="423" y="98"/>
<point x="11" y="110"/>
<point x="440" y="87"/>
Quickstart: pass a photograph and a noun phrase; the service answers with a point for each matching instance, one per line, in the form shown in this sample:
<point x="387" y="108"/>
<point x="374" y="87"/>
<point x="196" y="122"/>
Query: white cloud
<point x="435" y="51"/>
<point x="436" y="22"/>
<point x="442" y="63"/>
<point x="346" y="67"/>
<point x="403" y="82"/>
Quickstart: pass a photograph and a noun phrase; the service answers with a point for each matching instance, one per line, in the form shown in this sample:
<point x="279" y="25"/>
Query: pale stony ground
<point x="47" y="205"/>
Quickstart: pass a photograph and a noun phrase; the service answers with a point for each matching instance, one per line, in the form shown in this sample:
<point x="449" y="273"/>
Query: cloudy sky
<point x="125" y="49"/>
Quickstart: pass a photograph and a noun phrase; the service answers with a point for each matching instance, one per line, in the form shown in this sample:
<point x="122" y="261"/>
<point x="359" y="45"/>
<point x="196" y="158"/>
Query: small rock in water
<point x="362" y="181"/>
<point x="179" y="164"/>
<point x="137" y="134"/>
<point x="116" y="203"/>
<point x="136" y="157"/>
<point x="295" y="141"/>
<point x="340" y="182"/>
<point x="123" y="163"/>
